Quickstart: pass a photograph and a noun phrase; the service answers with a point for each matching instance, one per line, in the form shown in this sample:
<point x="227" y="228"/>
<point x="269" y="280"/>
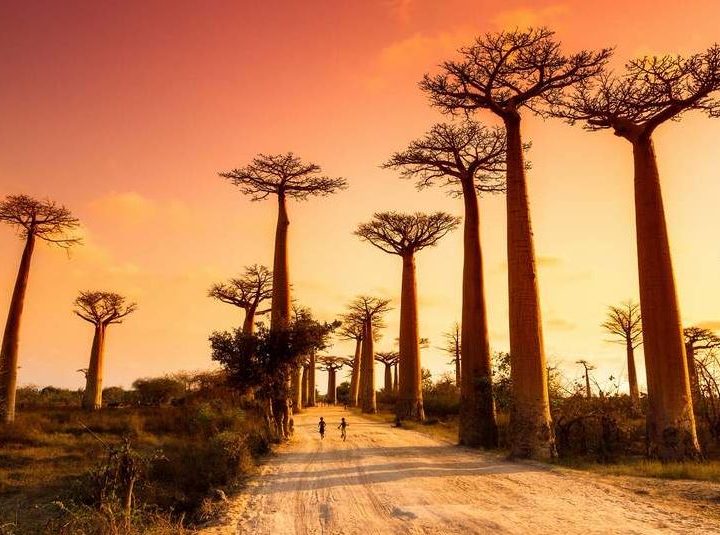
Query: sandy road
<point x="386" y="480"/>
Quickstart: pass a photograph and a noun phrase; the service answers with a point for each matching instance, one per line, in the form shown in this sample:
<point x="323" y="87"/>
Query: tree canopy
<point x="45" y="219"/>
<point x="402" y="234"/>
<point x="102" y="308"/>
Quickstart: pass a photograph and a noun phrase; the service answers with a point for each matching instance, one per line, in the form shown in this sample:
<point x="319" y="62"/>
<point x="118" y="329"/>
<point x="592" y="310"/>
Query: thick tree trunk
<point x="280" y="310"/>
<point x="311" y="381"/>
<point x="355" y="375"/>
<point x="396" y="381"/>
<point x="632" y="376"/>
<point x="249" y="322"/>
<point x="332" y="378"/>
<point x="531" y="433"/>
<point x="388" y="379"/>
<point x="670" y="419"/>
<point x="304" y="386"/>
<point x="297" y="404"/>
<point x="409" y="403"/>
<point x="367" y="372"/>
<point x="477" y="424"/>
<point x="9" y="351"/>
<point x="92" y="398"/>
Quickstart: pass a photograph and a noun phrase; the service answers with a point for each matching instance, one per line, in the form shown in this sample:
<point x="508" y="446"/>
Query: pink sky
<point x="125" y="112"/>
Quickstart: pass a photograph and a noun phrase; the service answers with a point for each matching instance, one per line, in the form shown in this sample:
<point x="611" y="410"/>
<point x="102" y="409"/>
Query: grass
<point x="690" y="470"/>
<point x="46" y="456"/>
<point x="445" y="431"/>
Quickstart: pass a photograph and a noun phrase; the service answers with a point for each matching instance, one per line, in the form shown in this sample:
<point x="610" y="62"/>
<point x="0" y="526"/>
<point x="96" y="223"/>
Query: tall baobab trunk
<point x="304" y="386"/>
<point x="632" y="375"/>
<point x="670" y="420"/>
<point x="92" y="398"/>
<point x="388" y="379"/>
<point x="249" y="322"/>
<point x="396" y="384"/>
<point x="409" y="403"/>
<point x="530" y="426"/>
<point x="367" y="368"/>
<point x="9" y="351"/>
<point x="477" y="424"/>
<point x="332" y="379"/>
<point x="355" y="374"/>
<point x="297" y="390"/>
<point x="693" y="372"/>
<point x="280" y="312"/>
<point x="311" y="381"/>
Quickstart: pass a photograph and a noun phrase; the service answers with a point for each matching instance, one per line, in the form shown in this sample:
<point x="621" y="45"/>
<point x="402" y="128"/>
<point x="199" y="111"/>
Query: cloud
<point x="559" y="324"/>
<point x="525" y="17"/>
<point x="713" y="325"/>
<point x="130" y="206"/>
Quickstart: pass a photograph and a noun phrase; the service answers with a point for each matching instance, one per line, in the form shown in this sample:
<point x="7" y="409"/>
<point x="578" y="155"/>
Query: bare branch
<point x="102" y="308"/>
<point x="46" y="220"/>
<point x="403" y="234"/>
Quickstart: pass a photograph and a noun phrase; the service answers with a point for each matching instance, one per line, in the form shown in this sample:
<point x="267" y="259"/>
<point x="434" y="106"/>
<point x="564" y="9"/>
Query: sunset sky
<point x="126" y="111"/>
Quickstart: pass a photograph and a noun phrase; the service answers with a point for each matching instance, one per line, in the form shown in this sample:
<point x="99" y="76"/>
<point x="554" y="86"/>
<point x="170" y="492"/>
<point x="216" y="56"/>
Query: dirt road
<point x="386" y="480"/>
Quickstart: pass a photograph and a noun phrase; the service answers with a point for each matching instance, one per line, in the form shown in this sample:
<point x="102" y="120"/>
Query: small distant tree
<point x="331" y="365"/>
<point x="371" y="310"/>
<point x="587" y="367"/>
<point x="102" y="309"/>
<point x="158" y="390"/>
<point x="625" y="324"/>
<point x="34" y="220"/>
<point x="352" y="328"/>
<point x="247" y="292"/>
<point x="506" y="73"/>
<point x="453" y="348"/>
<point x="388" y="359"/>
<point x="404" y="235"/>
<point x="697" y="339"/>
<point x="651" y="92"/>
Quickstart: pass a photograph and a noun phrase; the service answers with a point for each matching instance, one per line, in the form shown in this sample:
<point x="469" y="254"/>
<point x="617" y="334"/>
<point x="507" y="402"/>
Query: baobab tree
<point x="102" y="309"/>
<point x="587" y="367"/>
<point x="247" y="292"/>
<point x="625" y="323"/>
<point x="404" y="235"/>
<point x="331" y="365"/>
<point x="287" y="177"/>
<point x="697" y="339"/>
<point x="506" y="73"/>
<point x="389" y="359"/>
<point x="470" y="159"/>
<point x="453" y="347"/>
<point x="652" y="91"/>
<point x="352" y="328"/>
<point x="34" y="220"/>
<point x="371" y="310"/>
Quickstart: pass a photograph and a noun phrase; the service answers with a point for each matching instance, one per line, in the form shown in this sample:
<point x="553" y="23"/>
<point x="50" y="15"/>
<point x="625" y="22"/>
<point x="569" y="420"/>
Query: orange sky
<point x="125" y="113"/>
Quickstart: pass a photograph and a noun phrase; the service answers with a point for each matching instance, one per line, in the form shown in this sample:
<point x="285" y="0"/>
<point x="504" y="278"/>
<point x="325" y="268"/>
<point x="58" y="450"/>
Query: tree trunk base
<point x="410" y="409"/>
<point x="477" y="425"/>
<point x="531" y="436"/>
<point x="673" y="443"/>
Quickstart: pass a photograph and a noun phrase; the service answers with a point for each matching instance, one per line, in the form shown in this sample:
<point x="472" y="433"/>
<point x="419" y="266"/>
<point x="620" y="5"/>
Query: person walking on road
<point x="321" y="427"/>
<point x="343" y="428"/>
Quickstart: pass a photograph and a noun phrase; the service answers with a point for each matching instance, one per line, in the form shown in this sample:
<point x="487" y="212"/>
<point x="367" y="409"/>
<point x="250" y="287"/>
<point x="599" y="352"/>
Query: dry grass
<point x="696" y="471"/>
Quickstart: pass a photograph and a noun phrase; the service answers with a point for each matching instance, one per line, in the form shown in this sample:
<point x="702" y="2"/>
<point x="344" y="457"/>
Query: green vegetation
<point x="64" y="470"/>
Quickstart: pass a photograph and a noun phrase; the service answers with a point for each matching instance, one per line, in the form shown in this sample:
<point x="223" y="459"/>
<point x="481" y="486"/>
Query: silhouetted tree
<point x="625" y="323"/>
<point x="651" y="91"/>
<point x="331" y="365"/>
<point x="404" y="235"/>
<point x="389" y="359"/>
<point x="587" y="367"/>
<point x="470" y="159"/>
<point x="352" y="328"/>
<point x="453" y="347"/>
<point x="33" y="219"/>
<point x="371" y="310"/>
<point x="247" y="292"/>
<point x="505" y="73"/>
<point x="101" y="309"/>
<point x="697" y="339"/>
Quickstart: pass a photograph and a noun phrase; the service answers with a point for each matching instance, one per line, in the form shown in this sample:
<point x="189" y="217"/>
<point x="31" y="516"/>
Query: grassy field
<point x="55" y="465"/>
